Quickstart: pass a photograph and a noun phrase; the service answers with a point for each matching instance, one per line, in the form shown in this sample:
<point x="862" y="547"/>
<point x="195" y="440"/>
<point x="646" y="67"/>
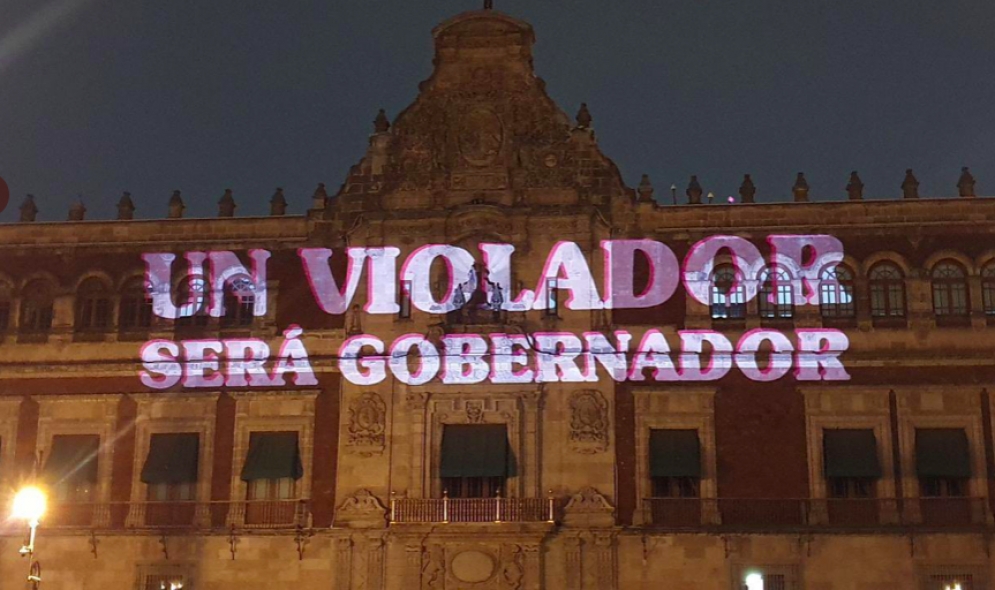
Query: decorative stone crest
<point x="475" y="412"/>
<point x="588" y="422"/>
<point x="367" y="424"/>
<point x="588" y="508"/>
<point x="481" y="136"/>
<point x="361" y="510"/>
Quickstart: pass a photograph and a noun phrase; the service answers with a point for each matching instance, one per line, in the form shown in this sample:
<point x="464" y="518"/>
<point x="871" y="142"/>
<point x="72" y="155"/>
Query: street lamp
<point x="29" y="505"/>
<point x="754" y="581"/>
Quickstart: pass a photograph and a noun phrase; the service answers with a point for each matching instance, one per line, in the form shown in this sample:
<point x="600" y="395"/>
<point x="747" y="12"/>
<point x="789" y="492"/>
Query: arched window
<point x="775" y="299"/>
<point x="136" y="306"/>
<point x="200" y="318"/>
<point x="37" y="307"/>
<point x="6" y="303"/>
<point x="988" y="288"/>
<point x="887" y="289"/>
<point x="950" y="289"/>
<point x="93" y="306"/>
<point x="728" y="294"/>
<point x="240" y="304"/>
<point x="836" y="293"/>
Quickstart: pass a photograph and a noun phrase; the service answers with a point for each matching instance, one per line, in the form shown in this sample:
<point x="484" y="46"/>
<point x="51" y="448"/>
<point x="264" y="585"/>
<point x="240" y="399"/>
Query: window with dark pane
<point x="775" y="299"/>
<point x="70" y="470"/>
<point x="850" y="463"/>
<point x="886" y="285"/>
<point x="836" y="293"/>
<point x="476" y="460"/>
<point x="675" y="463"/>
<point x="950" y="290"/>
<point x="93" y="306"/>
<point x="37" y="307"/>
<point x="728" y="301"/>
<point x="988" y="288"/>
<point x="136" y="306"/>
<point x="943" y="462"/>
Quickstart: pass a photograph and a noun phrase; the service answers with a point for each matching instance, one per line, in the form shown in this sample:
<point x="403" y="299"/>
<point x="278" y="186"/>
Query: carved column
<point x="533" y="566"/>
<point x="412" y="567"/>
<point x="571" y="553"/>
<point x="374" y="561"/>
<point x="531" y="404"/>
<point x="416" y="403"/>
<point x="343" y="563"/>
<point x="604" y="556"/>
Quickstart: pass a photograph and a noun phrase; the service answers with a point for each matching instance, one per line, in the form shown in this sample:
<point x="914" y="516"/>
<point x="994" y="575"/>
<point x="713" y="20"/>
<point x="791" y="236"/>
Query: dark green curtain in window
<point x="942" y="452"/>
<point x="475" y="450"/>
<point x="850" y="453"/>
<point x="273" y="455"/>
<point x="675" y="453"/>
<point x="173" y="458"/>
<point x="72" y="457"/>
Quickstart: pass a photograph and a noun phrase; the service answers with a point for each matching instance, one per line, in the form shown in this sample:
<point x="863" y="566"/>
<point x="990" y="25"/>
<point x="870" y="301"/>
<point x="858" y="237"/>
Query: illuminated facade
<point x="245" y="439"/>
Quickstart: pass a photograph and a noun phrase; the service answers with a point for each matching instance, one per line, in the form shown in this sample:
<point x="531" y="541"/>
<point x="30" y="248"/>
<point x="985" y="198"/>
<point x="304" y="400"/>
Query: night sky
<point x="102" y="96"/>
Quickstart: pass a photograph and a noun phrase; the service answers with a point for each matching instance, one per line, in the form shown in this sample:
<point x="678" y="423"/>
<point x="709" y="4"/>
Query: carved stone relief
<point x="361" y="510"/>
<point x="588" y="422"/>
<point x="367" y="425"/>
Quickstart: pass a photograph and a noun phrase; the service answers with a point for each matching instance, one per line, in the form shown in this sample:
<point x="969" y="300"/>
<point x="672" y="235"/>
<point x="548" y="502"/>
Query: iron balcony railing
<point x="184" y="515"/>
<point x="755" y="514"/>
<point x="472" y="510"/>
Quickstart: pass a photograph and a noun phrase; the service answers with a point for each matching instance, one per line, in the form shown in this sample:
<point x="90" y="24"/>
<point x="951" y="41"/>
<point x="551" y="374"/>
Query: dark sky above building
<point x="101" y="96"/>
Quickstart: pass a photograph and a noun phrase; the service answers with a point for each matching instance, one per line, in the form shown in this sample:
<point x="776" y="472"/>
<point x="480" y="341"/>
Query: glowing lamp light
<point x="954" y="586"/>
<point x="754" y="582"/>
<point x="29" y="504"/>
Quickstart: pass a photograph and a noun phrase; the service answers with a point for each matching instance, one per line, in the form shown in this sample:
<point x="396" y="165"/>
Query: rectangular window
<point x="271" y="471"/>
<point x="552" y="297"/>
<point x="4" y="316"/>
<point x="943" y="462"/>
<point x="170" y="471"/>
<point x="71" y="468"/>
<point x="405" y="302"/>
<point x="851" y="462"/>
<point x="475" y="461"/>
<point x="675" y="463"/>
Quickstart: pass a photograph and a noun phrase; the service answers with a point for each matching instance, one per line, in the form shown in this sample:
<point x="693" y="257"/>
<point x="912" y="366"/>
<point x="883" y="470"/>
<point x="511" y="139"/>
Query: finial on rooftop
<point x="320" y="197"/>
<point x="226" y="204"/>
<point x="747" y="190"/>
<point x="910" y="186"/>
<point x="694" y="191"/>
<point x="584" y="118"/>
<point x="855" y="188"/>
<point x="488" y="4"/>
<point x="125" y="207"/>
<point x="278" y="204"/>
<point x="29" y="211"/>
<point x="966" y="183"/>
<point x="77" y="211"/>
<point x="645" y="189"/>
<point x="381" y="124"/>
<point x="800" y="189"/>
<point x="176" y="206"/>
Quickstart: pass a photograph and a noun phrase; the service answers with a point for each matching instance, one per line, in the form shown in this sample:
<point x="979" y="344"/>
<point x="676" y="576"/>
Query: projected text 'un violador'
<point x="467" y="288"/>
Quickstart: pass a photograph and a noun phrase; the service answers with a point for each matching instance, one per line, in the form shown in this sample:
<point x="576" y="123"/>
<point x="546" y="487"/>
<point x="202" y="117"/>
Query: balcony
<point x="813" y="515"/>
<point x="181" y="515"/>
<point x="472" y="510"/>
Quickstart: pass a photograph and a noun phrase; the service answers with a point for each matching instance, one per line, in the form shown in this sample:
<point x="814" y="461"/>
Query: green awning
<point x="72" y="458"/>
<point x="850" y="453"/>
<point x="675" y="453"/>
<point x="273" y="455"/>
<point x="942" y="452"/>
<point x="173" y="458"/>
<point x="475" y="450"/>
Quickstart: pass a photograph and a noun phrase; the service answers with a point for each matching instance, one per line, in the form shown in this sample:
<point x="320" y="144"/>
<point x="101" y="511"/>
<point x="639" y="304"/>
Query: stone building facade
<point x="882" y="481"/>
